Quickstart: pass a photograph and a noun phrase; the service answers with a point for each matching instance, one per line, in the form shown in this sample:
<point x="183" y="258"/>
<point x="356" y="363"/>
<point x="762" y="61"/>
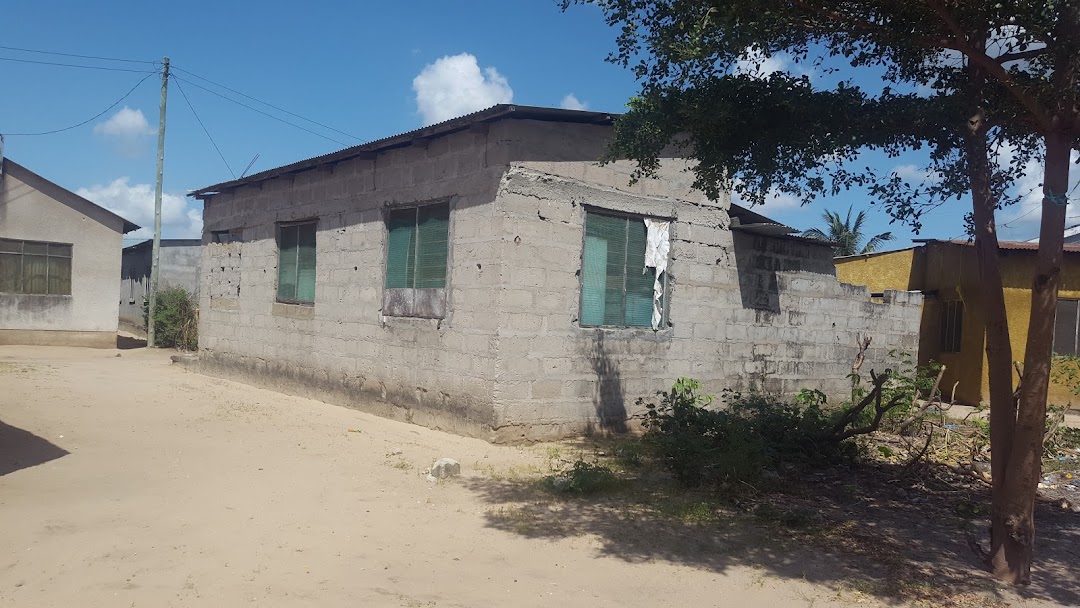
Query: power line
<point x="93" y="118"/>
<point x="1009" y="223"/>
<point x="210" y="137"/>
<point x="293" y="114"/>
<point x="73" y="65"/>
<point x="267" y="114"/>
<point x="13" y="48"/>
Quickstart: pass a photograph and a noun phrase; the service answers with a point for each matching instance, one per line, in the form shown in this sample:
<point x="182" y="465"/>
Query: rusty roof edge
<point x="1006" y="245"/>
<point x="869" y="254"/>
<point x="452" y="125"/>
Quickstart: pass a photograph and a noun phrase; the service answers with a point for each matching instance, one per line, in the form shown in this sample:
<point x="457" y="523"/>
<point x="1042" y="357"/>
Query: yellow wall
<point x="879" y="271"/>
<point x="947" y="271"/>
<point x="1017" y="273"/>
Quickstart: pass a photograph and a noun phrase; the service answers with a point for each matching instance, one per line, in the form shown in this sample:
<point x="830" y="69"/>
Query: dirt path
<point x="125" y="481"/>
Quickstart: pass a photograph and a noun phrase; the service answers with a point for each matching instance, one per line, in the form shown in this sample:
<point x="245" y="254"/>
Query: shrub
<point x="582" y="478"/>
<point x="176" y="319"/>
<point x="698" y="444"/>
<point x="789" y="432"/>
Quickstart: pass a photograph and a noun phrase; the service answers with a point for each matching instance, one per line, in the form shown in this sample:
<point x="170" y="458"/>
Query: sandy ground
<point x="126" y="481"/>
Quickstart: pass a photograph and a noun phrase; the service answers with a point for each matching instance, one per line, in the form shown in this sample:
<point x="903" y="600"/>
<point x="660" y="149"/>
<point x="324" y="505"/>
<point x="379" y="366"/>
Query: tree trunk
<point x="1016" y="500"/>
<point x="998" y="344"/>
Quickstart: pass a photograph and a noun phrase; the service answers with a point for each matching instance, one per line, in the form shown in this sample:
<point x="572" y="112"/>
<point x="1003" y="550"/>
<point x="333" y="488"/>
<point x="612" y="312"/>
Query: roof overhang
<point x="416" y="137"/>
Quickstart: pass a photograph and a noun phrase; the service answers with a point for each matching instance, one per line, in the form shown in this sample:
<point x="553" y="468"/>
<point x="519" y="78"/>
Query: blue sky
<point x="367" y="69"/>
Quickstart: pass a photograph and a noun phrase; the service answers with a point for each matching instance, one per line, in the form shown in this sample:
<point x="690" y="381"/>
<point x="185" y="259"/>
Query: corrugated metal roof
<point x="779" y="231"/>
<point x="748" y="216"/>
<point x="460" y="123"/>
<point x="1007" y="245"/>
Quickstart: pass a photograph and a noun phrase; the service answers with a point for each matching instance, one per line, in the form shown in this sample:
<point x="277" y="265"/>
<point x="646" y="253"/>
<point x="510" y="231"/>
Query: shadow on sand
<point x="21" y="449"/>
<point x="129" y="342"/>
<point x="867" y="533"/>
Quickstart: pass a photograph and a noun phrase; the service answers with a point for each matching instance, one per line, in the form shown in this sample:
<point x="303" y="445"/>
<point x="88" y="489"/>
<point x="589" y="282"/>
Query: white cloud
<point x="1021" y="221"/>
<point x="775" y="202"/>
<point x="125" y="123"/>
<point x="135" y="202"/>
<point x="571" y="102"/>
<point x="755" y="63"/>
<point x="128" y="130"/>
<point x="455" y="85"/>
<point x="916" y="174"/>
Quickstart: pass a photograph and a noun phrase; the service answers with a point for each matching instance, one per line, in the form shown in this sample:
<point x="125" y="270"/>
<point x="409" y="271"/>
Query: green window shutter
<point x="639" y="279"/>
<point x="611" y="230"/>
<point x="432" y="236"/>
<point x="305" y="263"/>
<point x="288" y="237"/>
<point x="594" y="281"/>
<point x="616" y="287"/>
<point x="60" y="276"/>
<point x="401" y="248"/>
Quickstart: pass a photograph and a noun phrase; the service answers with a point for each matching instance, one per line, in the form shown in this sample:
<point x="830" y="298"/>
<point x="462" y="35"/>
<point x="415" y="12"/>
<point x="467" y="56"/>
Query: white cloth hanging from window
<point x="656" y="256"/>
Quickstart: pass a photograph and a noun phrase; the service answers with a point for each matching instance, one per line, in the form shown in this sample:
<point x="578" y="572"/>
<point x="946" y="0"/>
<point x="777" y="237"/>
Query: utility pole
<point x="155" y="255"/>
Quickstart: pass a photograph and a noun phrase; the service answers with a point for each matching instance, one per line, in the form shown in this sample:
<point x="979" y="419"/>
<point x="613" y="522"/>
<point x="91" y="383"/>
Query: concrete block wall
<point x="440" y="373"/>
<point x="745" y="311"/>
<point x="510" y="361"/>
<point x="558" y="378"/>
<point x="802" y="325"/>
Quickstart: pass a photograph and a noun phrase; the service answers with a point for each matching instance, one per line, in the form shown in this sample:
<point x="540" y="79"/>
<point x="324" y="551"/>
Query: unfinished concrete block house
<point x="488" y="276"/>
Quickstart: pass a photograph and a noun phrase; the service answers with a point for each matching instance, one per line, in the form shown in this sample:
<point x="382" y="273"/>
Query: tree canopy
<point x="982" y="87"/>
<point x="760" y="136"/>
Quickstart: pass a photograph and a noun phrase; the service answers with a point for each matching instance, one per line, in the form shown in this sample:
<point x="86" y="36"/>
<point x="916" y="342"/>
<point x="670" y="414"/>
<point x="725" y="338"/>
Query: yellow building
<point x="953" y="325"/>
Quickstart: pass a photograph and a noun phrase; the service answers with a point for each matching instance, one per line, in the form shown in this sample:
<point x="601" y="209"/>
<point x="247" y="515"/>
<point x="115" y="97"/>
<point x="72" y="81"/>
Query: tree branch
<point x="865" y="26"/>
<point x="1029" y="54"/>
<point x="991" y="66"/>
<point x="913" y="418"/>
<point x="879" y="413"/>
<point x="874" y="396"/>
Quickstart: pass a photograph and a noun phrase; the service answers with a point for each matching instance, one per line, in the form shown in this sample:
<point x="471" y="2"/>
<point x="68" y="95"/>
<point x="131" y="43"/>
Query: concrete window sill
<point x="293" y="311"/>
<point x="628" y="333"/>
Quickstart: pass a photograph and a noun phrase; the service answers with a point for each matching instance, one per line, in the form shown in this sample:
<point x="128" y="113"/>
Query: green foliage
<point x="582" y="478"/>
<point x="847" y="234"/>
<point x="766" y="135"/>
<point x="698" y="444"/>
<point x="176" y="322"/>
<point x="1058" y="438"/>
<point x="808" y="397"/>
<point x="629" y="454"/>
<point x="789" y="432"/>
<point x="1065" y="371"/>
<point x="907" y="383"/>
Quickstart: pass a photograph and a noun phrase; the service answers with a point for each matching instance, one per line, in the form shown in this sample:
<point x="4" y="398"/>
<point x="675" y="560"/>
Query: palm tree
<point x="845" y="234"/>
